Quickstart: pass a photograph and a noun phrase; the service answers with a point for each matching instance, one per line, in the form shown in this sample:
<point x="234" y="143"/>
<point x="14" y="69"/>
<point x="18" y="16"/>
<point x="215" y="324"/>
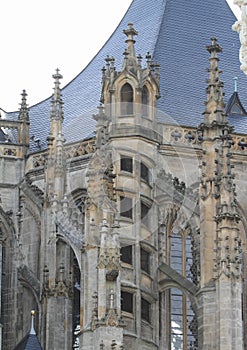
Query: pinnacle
<point x="56" y="103"/>
<point x="23" y="115"/>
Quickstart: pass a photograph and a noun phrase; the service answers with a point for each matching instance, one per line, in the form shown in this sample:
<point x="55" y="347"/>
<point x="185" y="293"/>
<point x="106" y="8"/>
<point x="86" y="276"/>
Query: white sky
<point x="39" y="36"/>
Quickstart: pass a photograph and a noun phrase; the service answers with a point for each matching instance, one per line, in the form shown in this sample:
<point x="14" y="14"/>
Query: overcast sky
<point x="39" y="36"/>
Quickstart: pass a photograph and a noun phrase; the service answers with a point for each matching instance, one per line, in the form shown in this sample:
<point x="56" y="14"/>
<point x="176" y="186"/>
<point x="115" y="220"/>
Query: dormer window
<point x="145" y="101"/>
<point x="234" y="106"/>
<point x="127" y="100"/>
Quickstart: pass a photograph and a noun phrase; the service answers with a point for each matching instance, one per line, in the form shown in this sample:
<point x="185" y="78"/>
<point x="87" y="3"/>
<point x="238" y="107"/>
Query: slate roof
<point x="29" y="342"/>
<point x="176" y="32"/>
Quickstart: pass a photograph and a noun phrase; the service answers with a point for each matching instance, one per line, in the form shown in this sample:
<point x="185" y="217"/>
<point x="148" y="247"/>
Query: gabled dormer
<point x="130" y="96"/>
<point x="234" y="105"/>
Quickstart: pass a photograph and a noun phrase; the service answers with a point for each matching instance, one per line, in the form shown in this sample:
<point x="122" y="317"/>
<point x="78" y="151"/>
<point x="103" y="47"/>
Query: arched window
<point x="182" y="254"/>
<point x="145" y="101"/>
<point x="178" y="314"/>
<point x="126" y="100"/>
<point x="182" y="321"/>
<point x="68" y="274"/>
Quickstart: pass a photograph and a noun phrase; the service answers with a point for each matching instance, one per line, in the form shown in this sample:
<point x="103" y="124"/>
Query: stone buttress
<point x="220" y="320"/>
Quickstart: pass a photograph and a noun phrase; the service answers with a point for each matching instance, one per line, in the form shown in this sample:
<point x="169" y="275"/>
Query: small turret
<point x="130" y="96"/>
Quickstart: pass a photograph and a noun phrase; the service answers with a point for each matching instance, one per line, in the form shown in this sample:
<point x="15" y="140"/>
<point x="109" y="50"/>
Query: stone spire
<point x="214" y="118"/>
<point x="216" y="183"/>
<point x="55" y="140"/>
<point x="23" y="114"/>
<point x="215" y="104"/>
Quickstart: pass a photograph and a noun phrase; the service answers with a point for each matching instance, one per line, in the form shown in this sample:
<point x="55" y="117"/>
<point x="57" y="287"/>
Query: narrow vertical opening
<point x="126" y="100"/>
<point x="145" y="101"/>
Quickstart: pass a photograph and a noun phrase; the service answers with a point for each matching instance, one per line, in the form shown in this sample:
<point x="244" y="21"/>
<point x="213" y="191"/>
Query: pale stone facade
<point x="136" y="237"/>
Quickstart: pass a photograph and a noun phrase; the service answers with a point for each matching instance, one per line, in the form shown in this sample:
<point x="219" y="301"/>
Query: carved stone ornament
<point x="241" y="28"/>
<point x="109" y="259"/>
<point x="112" y="318"/>
<point x="112" y="275"/>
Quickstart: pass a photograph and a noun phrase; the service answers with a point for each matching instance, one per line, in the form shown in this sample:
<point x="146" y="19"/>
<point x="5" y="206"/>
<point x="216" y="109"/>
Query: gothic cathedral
<point x="123" y="211"/>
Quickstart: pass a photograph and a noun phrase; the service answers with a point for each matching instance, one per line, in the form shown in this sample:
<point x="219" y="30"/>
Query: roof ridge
<point x="160" y="24"/>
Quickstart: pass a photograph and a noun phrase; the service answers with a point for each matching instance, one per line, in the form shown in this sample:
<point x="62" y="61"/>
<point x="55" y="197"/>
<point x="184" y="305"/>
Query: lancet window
<point x="180" y="322"/>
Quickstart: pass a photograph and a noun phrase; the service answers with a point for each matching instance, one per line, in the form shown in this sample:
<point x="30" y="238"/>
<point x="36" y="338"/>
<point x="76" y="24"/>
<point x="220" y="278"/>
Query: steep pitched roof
<point x="176" y="32"/>
<point x="234" y="105"/>
<point x="29" y="342"/>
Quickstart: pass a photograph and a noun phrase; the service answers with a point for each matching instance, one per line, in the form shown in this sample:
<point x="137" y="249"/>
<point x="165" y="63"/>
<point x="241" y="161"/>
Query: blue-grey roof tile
<point x="29" y="342"/>
<point x="176" y="32"/>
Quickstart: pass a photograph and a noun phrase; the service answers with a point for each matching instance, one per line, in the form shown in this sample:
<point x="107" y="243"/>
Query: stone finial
<point x="130" y="55"/>
<point x="139" y="60"/>
<point x="57" y="103"/>
<point x="24" y="115"/>
<point x="214" y="48"/>
<point x="101" y="117"/>
<point x="148" y="59"/>
<point x="130" y="32"/>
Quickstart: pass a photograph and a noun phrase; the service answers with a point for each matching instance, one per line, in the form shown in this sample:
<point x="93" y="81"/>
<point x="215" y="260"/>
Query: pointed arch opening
<point x="127" y="99"/>
<point x="68" y="279"/>
<point x="178" y="302"/>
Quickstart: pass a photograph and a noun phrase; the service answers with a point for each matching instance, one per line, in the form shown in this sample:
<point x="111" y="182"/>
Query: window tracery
<point x="181" y="331"/>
